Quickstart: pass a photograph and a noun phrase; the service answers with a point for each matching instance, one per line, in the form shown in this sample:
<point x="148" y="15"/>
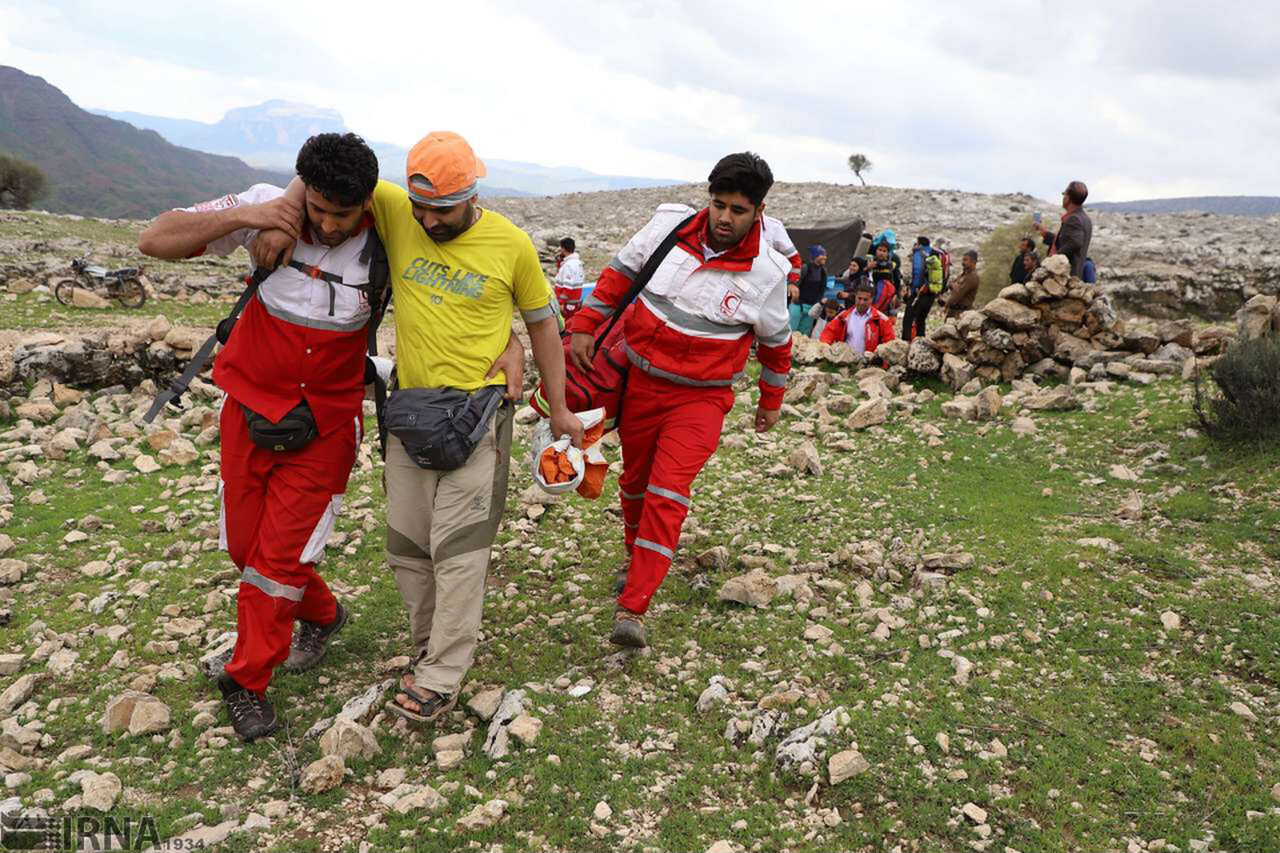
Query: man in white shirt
<point x="862" y="327"/>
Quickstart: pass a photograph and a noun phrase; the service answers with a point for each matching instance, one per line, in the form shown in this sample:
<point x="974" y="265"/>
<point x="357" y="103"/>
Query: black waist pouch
<point x="440" y="427"/>
<point x="294" y="431"/>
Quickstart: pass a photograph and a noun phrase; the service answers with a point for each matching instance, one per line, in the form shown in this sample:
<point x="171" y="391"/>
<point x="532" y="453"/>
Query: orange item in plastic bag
<point x="555" y="466"/>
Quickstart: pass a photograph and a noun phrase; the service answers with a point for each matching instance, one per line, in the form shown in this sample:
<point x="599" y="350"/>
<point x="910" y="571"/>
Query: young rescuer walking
<point x="719" y="288"/>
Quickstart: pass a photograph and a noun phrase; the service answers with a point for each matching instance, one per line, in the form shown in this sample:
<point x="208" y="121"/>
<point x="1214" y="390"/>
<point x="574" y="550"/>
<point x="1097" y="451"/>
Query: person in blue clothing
<point x="918" y="297"/>
<point x="1089" y="272"/>
<point x="809" y="290"/>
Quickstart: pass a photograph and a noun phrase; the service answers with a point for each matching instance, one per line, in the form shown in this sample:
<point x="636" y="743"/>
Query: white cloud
<point x="994" y="95"/>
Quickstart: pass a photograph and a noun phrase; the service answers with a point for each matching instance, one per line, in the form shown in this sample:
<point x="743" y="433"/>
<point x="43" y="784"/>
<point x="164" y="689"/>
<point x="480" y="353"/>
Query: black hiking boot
<point x="252" y="716"/>
<point x="312" y="641"/>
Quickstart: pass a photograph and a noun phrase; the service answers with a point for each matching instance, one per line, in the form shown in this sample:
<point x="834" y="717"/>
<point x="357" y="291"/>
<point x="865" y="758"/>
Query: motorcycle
<point x="122" y="285"/>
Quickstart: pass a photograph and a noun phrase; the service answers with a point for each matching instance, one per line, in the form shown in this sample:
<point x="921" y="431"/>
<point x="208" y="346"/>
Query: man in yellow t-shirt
<point x="458" y="272"/>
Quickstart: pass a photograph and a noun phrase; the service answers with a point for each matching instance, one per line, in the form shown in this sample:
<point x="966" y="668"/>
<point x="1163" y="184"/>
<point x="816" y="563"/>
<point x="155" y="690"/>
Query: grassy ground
<point x="1116" y="729"/>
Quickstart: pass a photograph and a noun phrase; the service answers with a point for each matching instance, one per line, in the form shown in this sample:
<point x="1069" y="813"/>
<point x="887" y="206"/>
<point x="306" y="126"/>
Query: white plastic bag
<point x="542" y="442"/>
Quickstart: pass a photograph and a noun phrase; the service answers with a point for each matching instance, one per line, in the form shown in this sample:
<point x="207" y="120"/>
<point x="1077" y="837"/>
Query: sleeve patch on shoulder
<point x="227" y="201"/>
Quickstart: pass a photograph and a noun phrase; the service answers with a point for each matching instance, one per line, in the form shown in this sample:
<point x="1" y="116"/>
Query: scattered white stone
<point x="485" y="703"/>
<point x="348" y="739"/>
<point x="145" y="464"/>
<point x="322" y="775"/>
<point x="99" y="790"/>
<point x="525" y="728"/>
<point x="482" y="817"/>
<point x="18" y="692"/>
<point x="756" y="588"/>
<point x="602" y="811"/>
<point x="963" y="667"/>
<point x="1123" y="472"/>
<point x="845" y="765"/>
<point x="1171" y="621"/>
<point x="977" y="814"/>
<point x="425" y="797"/>
<point x="1242" y="710"/>
<point x="715" y="694"/>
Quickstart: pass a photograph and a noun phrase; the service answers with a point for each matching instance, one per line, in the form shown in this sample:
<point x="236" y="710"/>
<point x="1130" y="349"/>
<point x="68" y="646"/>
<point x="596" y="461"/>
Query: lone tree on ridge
<point x="860" y="163"/>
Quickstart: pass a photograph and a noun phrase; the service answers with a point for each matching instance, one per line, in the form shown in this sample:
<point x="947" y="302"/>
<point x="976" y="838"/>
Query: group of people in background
<point x="861" y="306"/>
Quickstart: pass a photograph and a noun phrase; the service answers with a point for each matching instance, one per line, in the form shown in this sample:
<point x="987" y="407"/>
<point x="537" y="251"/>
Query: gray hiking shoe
<point x="312" y="641"/>
<point x="628" y="630"/>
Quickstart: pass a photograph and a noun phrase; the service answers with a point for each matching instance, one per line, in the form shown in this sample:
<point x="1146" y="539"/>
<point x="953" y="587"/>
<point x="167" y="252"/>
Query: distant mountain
<point x="99" y="166"/>
<point x="1224" y="205"/>
<point x="269" y="135"/>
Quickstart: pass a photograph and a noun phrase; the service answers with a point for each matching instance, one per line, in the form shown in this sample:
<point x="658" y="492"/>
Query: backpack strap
<point x="173" y="394"/>
<point x="375" y="255"/>
<point x="642" y="278"/>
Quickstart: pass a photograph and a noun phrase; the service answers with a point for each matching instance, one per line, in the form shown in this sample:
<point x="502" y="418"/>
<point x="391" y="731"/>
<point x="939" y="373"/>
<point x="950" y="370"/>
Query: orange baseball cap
<point x="442" y="170"/>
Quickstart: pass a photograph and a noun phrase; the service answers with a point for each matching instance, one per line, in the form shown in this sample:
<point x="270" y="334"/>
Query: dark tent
<point x="840" y="239"/>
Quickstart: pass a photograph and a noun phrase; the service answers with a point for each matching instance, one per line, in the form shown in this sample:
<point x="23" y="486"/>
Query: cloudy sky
<point x="1139" y="99"/>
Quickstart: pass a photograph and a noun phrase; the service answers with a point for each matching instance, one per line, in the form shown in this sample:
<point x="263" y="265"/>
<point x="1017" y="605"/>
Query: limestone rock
<point x="756" y="588"/>
<point x="348" y="739"/>
<point x="482" y="817"/>
<point x="425" y="797"/>
<point x="99" y="790"/>
<point x="894" y="352"/>
<point x="1057" y="399"/>
<point x="151" y="713"/>
<point x="485" y="703"/>
<point x="1023" y="426"/>
<point x="323" y="774"/>
<point x="956" y="371"/>
<point x="845" y="765"/>
<point x="82" y="298"/>
<point x="805" y="459"/>
<point x="922" y="358"/>
<point x="1012" y="315"/>
<point x="869" y="413"/>
<point x="525" y="728"/>
<point x="18" y="692"/>
<point x="1257" y="318"/>
<point x="988" y="403"/>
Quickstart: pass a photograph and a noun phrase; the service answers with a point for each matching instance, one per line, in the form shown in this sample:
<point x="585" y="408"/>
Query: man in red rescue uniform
<point x="300" y="340"/>
<point x="721" y="288"/>
<point x="863" y="327"/>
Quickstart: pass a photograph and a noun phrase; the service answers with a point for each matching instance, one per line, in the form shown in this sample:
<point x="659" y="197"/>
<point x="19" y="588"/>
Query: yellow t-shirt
<point x="455" y="300"/>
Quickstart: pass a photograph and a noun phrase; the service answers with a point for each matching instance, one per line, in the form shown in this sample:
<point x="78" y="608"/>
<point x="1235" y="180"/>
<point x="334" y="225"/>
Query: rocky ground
<point x="1035" y="616"/>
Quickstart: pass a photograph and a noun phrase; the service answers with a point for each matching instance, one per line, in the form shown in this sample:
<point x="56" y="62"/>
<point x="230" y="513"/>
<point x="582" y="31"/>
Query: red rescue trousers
<point x="278" y="508"/>
<point x="668" y="433"/>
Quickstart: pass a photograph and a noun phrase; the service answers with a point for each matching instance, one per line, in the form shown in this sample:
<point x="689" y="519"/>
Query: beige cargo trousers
<point x="440" y="531"/>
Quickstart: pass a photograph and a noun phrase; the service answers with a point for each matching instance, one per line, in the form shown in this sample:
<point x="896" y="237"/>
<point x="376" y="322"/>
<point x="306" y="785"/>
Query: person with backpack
<point x="715" y="287"/>
<point x="809" y="290"/>
<point x="886" y="277"/>
<point x="460" y="272"/>
<point x="294" y="371"/>
<point x="929" y="270"/>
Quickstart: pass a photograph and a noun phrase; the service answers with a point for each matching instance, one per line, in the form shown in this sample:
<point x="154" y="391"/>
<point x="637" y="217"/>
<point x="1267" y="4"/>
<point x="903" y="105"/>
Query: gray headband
<point x="418" y="182"/>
